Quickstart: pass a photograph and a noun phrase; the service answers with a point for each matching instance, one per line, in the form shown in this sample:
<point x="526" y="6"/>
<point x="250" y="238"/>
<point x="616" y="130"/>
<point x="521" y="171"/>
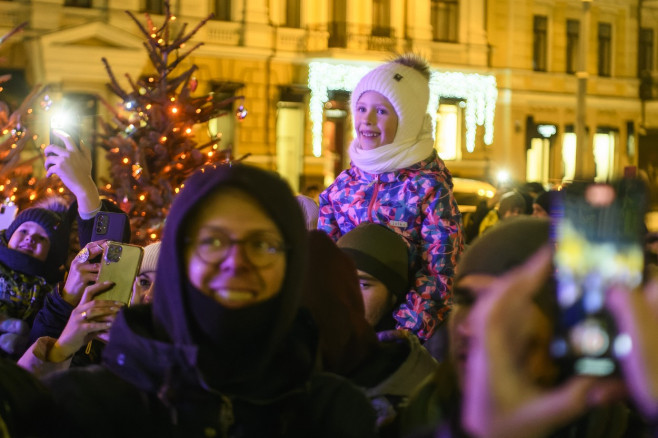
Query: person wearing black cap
<point x="436" y="408"/>
<point x="224" y="348"/>
<point x="382" y="262"/>
<point x="33" y="251"/>
<point x="389" y="364"/>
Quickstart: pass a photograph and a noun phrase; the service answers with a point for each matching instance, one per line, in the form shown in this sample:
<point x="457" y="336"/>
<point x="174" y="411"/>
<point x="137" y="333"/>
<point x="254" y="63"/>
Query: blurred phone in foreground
<point x="598" y="231"/>
<point x="120" y="264"/>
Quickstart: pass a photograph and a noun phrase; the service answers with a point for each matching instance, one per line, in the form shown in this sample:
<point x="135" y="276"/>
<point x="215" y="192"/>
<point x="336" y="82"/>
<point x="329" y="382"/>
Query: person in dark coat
<point x="32" y="256"/>
<point x="223" y="349"/>
<point x="387" y="365"/>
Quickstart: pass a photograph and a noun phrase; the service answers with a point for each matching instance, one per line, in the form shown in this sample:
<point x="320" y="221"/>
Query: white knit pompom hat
<point x="150" y="258"/>
<point x="407" y="90"/>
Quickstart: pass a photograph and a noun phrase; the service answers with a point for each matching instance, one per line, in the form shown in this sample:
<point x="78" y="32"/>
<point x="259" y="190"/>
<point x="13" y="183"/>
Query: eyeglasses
<point x="261" y="249"/>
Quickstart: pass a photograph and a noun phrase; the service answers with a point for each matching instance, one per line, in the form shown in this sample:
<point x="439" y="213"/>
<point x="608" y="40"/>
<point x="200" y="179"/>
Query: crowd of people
<point x="377" y="313"/>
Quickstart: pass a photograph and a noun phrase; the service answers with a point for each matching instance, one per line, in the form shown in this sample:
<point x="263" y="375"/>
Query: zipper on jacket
<point x="373" y="199"/>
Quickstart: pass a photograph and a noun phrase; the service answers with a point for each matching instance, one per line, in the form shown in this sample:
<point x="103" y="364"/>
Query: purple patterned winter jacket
<point x="417" y="203"/>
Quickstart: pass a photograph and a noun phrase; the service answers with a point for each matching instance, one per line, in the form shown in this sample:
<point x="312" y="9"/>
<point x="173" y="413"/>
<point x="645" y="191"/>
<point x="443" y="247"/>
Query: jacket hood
<point x="170" y="311"/>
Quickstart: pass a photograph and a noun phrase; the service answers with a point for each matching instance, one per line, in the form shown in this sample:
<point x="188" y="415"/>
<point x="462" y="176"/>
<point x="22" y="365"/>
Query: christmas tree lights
<point x="150" y="141"/>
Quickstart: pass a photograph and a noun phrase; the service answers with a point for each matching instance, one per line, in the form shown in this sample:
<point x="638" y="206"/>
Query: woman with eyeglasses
<point x="223" y="349"/>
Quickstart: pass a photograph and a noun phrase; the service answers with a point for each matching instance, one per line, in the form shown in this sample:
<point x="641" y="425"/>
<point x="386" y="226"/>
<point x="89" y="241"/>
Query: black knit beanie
<point x="544" y="201"/>
<point x="381" y="253"/>
<point x="55" y="225"/>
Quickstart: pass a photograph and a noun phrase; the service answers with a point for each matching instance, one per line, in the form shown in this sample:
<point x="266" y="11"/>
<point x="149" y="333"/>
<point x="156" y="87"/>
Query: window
<point x="381" y="18"/>
<point x="449" y="129"/>
<point x="78" y="3"/>
<point x="645" y="51"/>
<point x="223" y="10"/>
<point x="338" y="24"/>
<point x="573" y="45"/>
<point x="605" y="49"/>
<point x="539" y="42"/>
<point x="293" y="13"/>
<point x="444" y="20"/>
<point x="154" y="7"/>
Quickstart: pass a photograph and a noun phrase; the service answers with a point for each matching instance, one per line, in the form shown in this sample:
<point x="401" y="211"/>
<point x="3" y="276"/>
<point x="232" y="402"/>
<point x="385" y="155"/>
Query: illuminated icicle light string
<point x="479" y="92"/>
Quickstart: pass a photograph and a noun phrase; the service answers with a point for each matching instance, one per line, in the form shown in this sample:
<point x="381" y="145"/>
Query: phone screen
<point x="598" y="230"/>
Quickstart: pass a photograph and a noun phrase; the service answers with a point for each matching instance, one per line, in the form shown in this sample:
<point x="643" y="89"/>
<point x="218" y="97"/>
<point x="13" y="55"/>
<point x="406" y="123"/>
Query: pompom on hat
<point x="405" y="87"/>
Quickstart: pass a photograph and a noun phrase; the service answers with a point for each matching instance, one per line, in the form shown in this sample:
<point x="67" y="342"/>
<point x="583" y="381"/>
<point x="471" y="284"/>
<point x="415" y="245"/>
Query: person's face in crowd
<point x="538" y="211"/>
<point x="377" y="299"/>
<point x="142" y="288"/>
<point x="236" y="253"/>
<point x="31" y="238"/>
<point x="534" y="354"/>
<point x="376" y="121"/>
<point x="512" y="213"/>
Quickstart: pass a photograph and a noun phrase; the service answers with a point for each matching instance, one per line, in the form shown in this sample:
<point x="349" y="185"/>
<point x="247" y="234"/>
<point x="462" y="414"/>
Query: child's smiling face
<point x="375" y="120"/>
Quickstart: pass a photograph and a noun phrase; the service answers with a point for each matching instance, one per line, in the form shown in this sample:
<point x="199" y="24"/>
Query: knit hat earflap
<point x="407" y="90"/>
<point x="381" y="253"/>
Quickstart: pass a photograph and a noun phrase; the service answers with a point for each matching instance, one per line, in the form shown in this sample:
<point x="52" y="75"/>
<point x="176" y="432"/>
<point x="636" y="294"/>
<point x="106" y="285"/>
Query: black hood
<point x="170" y="312"/>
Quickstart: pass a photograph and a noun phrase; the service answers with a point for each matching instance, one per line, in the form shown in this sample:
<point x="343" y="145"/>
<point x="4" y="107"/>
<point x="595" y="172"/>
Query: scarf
<point x="394" y="156"/>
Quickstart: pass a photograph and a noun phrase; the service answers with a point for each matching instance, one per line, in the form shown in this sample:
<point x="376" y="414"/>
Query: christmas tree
<point x="150" y="140"/>
<point x="18" y="185"/>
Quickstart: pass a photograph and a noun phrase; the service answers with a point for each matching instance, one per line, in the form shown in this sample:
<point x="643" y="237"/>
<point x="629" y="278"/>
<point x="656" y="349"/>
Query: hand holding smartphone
<point x="120" y="264"/>
<point x="598" y="231"/>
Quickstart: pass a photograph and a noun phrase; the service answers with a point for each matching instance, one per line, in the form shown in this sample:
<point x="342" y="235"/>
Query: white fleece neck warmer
<point x="394" y="156"/>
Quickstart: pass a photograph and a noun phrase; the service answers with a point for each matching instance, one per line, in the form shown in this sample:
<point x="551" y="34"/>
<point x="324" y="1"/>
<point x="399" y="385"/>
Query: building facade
<point x="505" y="84"/>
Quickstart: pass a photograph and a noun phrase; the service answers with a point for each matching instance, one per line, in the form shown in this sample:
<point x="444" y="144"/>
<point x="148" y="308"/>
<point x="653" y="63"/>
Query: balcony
<point x="362" y="37"/>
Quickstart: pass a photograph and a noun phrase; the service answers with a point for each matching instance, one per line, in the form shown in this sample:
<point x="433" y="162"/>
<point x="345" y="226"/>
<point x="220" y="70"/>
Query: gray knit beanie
<point x="150" y="258"/>
<point x="381" y="253"/>
<point x="508" y="245"/>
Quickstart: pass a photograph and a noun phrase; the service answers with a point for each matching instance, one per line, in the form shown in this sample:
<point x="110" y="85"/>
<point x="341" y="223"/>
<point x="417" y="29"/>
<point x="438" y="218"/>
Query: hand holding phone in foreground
<point x="636" y="315"/>
<point x="501" y="401"/>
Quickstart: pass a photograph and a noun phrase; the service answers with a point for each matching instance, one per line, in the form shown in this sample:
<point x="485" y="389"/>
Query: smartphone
<point x="65" y="121"/>
<point x="110" y="225"/>
<point x="7" y="215"/>
<point x="120" y="264"/>
<point x="598" y="231"/>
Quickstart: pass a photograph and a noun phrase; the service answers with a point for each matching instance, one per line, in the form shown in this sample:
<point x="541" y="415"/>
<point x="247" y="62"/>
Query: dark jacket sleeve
<point x="86" y="227"/>
<point x="339" y="408"/>
<point x="52" y="318"/>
